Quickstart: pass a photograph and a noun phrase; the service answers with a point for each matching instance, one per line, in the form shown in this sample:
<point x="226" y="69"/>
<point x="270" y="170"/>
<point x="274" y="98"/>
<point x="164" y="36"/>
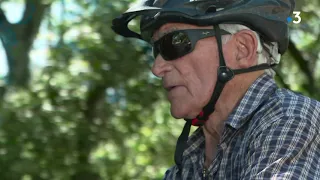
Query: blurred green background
<point x="79" y="102"/>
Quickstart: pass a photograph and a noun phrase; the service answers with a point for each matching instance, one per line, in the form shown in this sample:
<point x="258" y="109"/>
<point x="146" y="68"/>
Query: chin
<point x="181" y="112"/>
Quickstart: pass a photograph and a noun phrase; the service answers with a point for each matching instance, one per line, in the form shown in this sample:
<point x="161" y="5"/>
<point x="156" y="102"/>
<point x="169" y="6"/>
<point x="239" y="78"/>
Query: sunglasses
<point x="180" y="43"/>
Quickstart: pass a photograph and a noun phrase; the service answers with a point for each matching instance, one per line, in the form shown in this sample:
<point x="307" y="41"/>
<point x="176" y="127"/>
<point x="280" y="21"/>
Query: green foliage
<point x="96" y="112"/>
<point x="91" y="113"/>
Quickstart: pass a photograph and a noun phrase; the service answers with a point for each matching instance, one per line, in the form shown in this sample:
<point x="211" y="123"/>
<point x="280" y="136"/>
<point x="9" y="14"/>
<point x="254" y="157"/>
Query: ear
<point x="246" y="45"/>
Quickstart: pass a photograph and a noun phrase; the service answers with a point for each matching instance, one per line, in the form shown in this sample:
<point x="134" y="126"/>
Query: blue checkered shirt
<point x="272" y="134"/>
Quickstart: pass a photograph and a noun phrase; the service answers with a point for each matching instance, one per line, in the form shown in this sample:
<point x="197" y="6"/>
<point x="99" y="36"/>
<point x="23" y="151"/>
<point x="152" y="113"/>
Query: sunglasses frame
<point x="194" y="35"/>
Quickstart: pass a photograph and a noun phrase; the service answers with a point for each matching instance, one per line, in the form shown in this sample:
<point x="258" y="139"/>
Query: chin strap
<point x="225" y="74"/>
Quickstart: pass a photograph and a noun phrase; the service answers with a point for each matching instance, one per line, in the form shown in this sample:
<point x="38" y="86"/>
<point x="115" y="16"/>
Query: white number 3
<point x="297" y="15"/>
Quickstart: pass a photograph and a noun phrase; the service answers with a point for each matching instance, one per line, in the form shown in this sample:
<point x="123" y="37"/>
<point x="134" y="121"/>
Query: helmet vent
<point x="211" y="9"/>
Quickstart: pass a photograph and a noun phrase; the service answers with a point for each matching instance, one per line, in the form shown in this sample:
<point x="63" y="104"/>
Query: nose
<point x="160" y="66"/>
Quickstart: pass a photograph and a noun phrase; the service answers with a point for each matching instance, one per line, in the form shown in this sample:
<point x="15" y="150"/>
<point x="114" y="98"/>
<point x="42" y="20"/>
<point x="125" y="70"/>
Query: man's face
<point x="190" y="80"/>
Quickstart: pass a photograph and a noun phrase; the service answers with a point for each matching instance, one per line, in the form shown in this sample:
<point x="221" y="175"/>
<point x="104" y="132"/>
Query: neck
<point x="230" y="97"/>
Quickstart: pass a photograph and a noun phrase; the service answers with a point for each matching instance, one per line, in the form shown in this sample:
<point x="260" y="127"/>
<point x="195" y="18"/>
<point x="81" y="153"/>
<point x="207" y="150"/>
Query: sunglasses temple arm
<point x="211" y="33"/>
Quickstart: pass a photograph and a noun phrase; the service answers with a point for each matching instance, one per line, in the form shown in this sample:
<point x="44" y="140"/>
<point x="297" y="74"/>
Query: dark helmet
<point x="267" y="17"/>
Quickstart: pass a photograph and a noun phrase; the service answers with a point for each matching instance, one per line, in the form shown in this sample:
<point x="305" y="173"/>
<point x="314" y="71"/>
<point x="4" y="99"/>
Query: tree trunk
<point x="17" y="40"/>
<point x="84" y="145"/>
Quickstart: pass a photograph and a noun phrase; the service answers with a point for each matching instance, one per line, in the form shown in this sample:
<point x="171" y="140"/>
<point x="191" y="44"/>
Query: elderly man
<point x="218" y="75"/>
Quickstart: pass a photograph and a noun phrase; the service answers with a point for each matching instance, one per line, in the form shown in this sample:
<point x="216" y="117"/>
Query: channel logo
<point x="296" y="19"/>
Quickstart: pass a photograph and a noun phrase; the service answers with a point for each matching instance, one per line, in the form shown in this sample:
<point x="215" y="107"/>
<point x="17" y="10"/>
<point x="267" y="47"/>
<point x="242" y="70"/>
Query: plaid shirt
<point x="272" y="134"/>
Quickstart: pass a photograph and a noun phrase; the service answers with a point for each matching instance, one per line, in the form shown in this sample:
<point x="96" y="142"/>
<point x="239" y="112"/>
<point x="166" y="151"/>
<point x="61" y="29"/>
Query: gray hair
<point x="269" y="56"/>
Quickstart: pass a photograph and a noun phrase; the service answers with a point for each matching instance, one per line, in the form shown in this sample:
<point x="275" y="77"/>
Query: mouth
<point x="170" y="88"/>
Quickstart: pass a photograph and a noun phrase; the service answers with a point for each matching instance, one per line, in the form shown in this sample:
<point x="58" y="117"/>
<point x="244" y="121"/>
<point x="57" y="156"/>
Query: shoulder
<point x="285" y="112"/>
<point x="285" y="105"/>
<point x="286" y="139"/>
<point x="296" y="106"/>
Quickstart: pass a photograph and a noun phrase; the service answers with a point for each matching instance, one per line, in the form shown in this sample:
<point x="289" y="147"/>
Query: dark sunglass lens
<point x="155" y="51"/>
<point x="175" y="45"/>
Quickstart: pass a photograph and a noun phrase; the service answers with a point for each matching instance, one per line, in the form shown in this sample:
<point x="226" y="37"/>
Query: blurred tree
<point x="17" y="39"/>
<point x="95" y="112"/>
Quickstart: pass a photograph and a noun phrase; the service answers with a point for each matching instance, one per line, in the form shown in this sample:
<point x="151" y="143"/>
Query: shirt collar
<point x="257" y="93"/>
